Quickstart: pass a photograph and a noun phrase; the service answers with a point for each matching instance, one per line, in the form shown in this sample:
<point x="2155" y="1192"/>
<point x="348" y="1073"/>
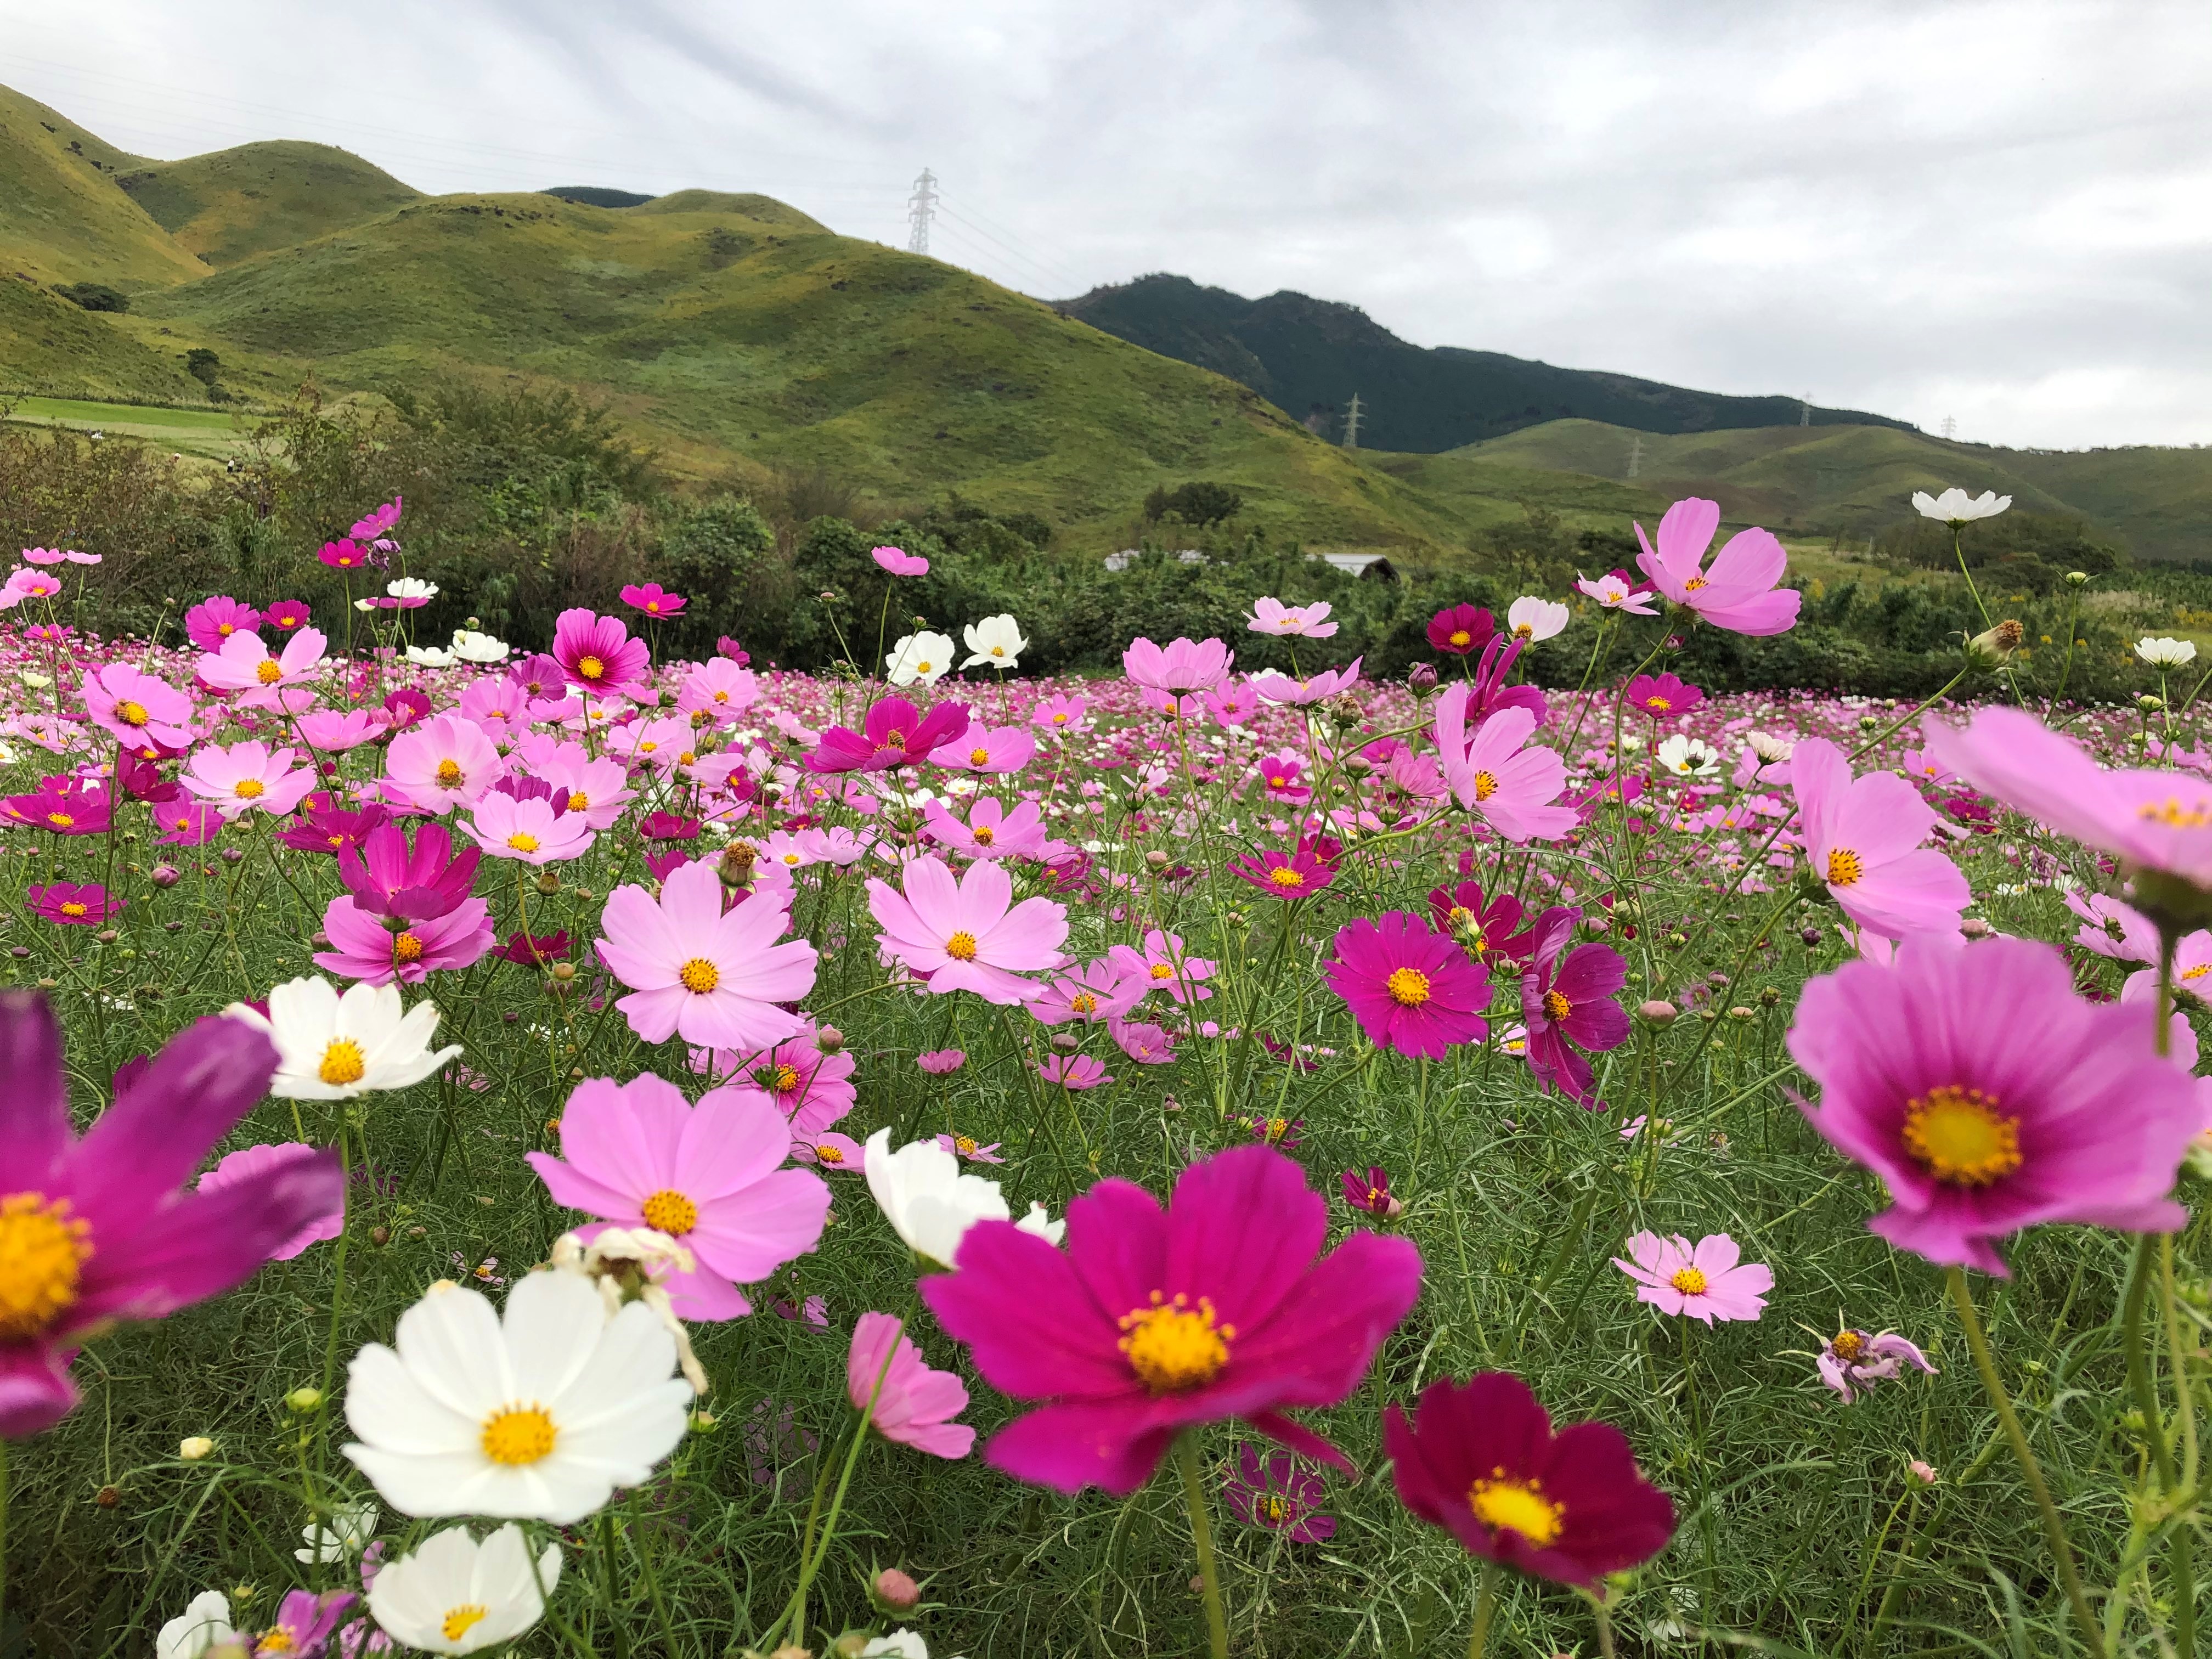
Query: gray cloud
<point x="1999" y="211"/>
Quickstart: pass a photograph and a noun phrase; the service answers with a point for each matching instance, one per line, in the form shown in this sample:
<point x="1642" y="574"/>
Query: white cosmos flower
<point x="351" y="1526"/>
<point x="204" y="1621"/>
<point x="1768" y="747"/>
<point x="456" y="1596"/>
<point x="931" y="1204"/>
<point x="429" y="656"/>
<point x="471" y="647"/>
<point x="1954" y="506"/>
<point x="538" y="1417"/>
<point x="1686" y="757"/>
<point x="901" y="1643"/>
<point x="995" y="640"/>
<point x="332" y="1047"/>
<point x="2166" y="653"/>
<point x="921" y="658"/>
<point x="1533" y="619"/>
<point x="410" y="587"/>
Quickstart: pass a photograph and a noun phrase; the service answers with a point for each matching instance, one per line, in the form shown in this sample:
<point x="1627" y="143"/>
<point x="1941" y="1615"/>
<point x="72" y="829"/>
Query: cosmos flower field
<point x="533" y="1145"/>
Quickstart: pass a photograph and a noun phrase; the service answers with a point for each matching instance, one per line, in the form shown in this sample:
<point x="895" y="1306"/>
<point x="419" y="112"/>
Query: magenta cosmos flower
<point x="1151" y="1322"/>
<point x="596" y="652"/>
<point x="256" y="1162"/>
<point x="899" y="562"/>
<point x="1662" y="696"/>
<point x="1480" y="1459"/>
<point x="363" y="947"/>
<point x="1707" y="1280"/>
<point x="1509" y="787"/>
<point x="388" y="878"/>
<point x="914" y="1405"/>
<point x="1482" y="926"/>
<point x="638" y="1154"/>
<point x="73" y="904"/>
<point x="215" y="621"/>
<point x="1738" y="593"/>
<point x="1287" y="875"/>
<point x="100" y="1230"/>
<point x="1280" y="1496"/>
<point x="1410" y="989"/>
<point x="1989" y="1097"/>
<point x="131" y="707"/>
<point x="1567" y="1001"/>
<point x="1461" y="629"/>
<point x="711" y="976"/>
<point x="1178" y="668"/>
<point x="1864" y="835"/>
<point x="896" y="733"/>
<point x="966" y="933"/>
<point x="653" y="599"/>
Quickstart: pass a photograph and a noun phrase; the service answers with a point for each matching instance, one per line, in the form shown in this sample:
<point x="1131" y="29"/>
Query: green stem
<point x="614" y="1596"/>
<point x="1485" y="1609"/>
<point x="809" y="1565"/>
<point x="1202" y="1533"/>
<point x="638" y="1531"/>
<point x="2054" y="1529"/>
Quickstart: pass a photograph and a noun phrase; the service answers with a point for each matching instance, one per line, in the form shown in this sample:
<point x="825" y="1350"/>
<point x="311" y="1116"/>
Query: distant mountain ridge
<point x="1309" y="357"/>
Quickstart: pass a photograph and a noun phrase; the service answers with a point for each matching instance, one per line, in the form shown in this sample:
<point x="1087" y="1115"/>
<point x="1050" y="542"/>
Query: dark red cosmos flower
<point x="1461" y="630"/>
<point x="141" y="779"/>
<point x="1484" y="926"/>
<point x="1151" y="1322"/>
<point x="324" y="827"/>
<point x="1371" y="1192"/>
<point x="387" y="877"/>
<point x="1662" y="696"/>
<point x="1409" y="988"/>
<point x="1479" y="1460"/>
<point x="896" y="733"/>
<point x="668" y="826"/>
<point x="1567" y="1001"/>
<point x="533" y="951"/>
<point x="1278" y="1495"/>
<point x="407" y="706"/>
<point x="1491" y="693"/>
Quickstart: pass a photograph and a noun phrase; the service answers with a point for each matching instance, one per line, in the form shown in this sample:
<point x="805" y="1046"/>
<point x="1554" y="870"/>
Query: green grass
<point x="207" y="432"/>
<point x="235" y="203"/>
<point x="62" y="217"/>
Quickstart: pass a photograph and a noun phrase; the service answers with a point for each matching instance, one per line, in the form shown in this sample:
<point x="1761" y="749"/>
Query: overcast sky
<point x="2000" y="213"/>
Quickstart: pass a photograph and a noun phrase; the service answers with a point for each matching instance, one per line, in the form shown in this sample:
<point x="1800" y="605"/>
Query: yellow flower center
<point x="519" y="1436"/>
<point x="1059" y="720"/>
<point x="1524" y="630"/>
<point x="1690" y="1281"/>
<point x="1957" y="1136"/>
<point x="2173" y="813"/>
<point x="978" y="757"/>
<point x="1556" y="1007"/>
<point x="984" y="835"/>
<point x="60" y="820"/>
<point x="1844" y="868"/>
<point x="463" y="1620"/>
<point x="699" y="976"/>
<point x="786" y="1079"/>
<point x="1163" y="970"/>
<point x="132" y="713"/>
<point x="2198" y="972"/>
<point x="1662" y="704"/>
<point x="42" y="1253"/>
<point x="652" y="604"/>
<point x="269" y="671"/>
<point x="343" y="1061"/>
<point x="1505" y="1503"/>
<point x="921" y="667"/>
<point x="249" y="789"/>
<point x="226" y="629"/>
<point x="1172" y="1346"/>
<point x="76" y="908"/>
<point x="1084" y="1003"/>
<point x="277" y="1640"/>
<point x="1408" y="987"/>
<point x="449" y="773"/>
<point x="964" y="1144"/>
<point x="670" y="1212"/>
<point x="522" y="841"/>
<point x="1694" y="584"/>
<point x="579" y="801"/>
<point x="1848" y="1346"/>
<point x="1275" y="1506"/>
<point x="961" y="947"/>
<point x="406" y="947"/>
<point x="829" y="1154"/>
<point x="1284" y="876"/>
<point x="1486" y="785"/>
<point x="591" y="668"/>
<point x="1459" y="636"/>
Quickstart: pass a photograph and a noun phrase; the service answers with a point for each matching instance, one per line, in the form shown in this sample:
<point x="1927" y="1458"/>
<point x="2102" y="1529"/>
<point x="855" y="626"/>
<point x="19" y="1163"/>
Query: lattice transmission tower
<point x="920" y="209"/>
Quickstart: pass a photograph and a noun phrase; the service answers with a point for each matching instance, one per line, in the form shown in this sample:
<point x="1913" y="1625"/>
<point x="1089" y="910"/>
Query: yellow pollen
<point x="964" y="1144"/>
<point x="978" y="757"/>
<point x="269" y="671"/>
<point x="1504" y="1502"/>
<point x="649" y="746"/>
<point x="406" y="947"/>
<point x="579" y="801"/>
<point x="829" y="1154"/>
<point x="699" y="976"/>
<point x="277" y="1640"/>
<point x="249" y="788"/>
<point x="652" y="604"/>
<point x="2174" y="814"/>
<point x="522" y="841"/>
<point x="132" y="713"/>
<point x="921" y="667"/>
<point x="591" y="668"/>
<point x="1662" y="704"/>
<point x="1556" y="1007"/>
<point x="1957" y="1136"/>
<point x="76" y="908"/>
<point x="1693" y="584"/>
<point x="670" y="1212"/>
<point x="1284" y="876"/>
<point x="1848" y="1346"/>
<point x="688" y="757"/>
<point x="721" y="697"/>
<point x="336" y="841"/>
<point x="60" y="820"/>
<point x="226" y="629"/>
<point x="1084" y="1003"/>
<point x="1163" y="970"/>
<point x="449" y="773"/>
<point x="1486" y="785"/>
<point x="1172" y="1346"/>
<point x="1844" y="868"/>
<point x="1524" y="631"/>
<point x="1408" y="987"/>
<point x="786" y="1079"/>
<point x="1278" y="782"/>
<point x="343" y="1061"/>
<point x="984" y="835"/>
<point x="1275" y="1506"/>
<point x="1460" y="636"/>
<point x="2198" y="972"/>
<point x="1690" y="1281"/>
<point x="462" y="1619"/>
<point x="1059" y="720"/>
<point x="519" y="1436"/>
<point x="42" y="1252"/>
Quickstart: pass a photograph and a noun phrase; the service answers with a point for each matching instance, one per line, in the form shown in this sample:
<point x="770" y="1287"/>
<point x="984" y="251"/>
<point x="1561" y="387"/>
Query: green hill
<point x="235" y="203"/>
<point x="62" y="218"/>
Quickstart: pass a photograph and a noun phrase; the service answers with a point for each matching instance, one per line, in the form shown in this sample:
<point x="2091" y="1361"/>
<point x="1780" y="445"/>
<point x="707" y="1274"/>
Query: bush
<point x="1198" y="503"/>
<point x="718" y="556"/>
<point x="92" y="297"/>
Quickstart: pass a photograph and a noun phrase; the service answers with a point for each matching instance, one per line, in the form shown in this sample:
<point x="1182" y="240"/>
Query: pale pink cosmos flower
<point x="899" y="562"/>
<point x="1497" y="774"/>
<point x="246" y="777"/>
<point x="2109" y="928"/>
<point x="131" y="706"/>
<point x="938" y="1062"/>
<point x="1738" y="593"/>
<point x="444" y="762"/>
<point x="915" y="1406"/>
<point x="530" y="831"/>
<point x="243" y="664"/>
<point x="967" y="934"/>
<point x="719" y="689"/>
<point x="598" y="789"/>
<point x="1162" y="965"/>
<point x="1178" y="668"/>
<point x="1318" y="688"/>
<point x="1303" y="621"/>
<point x="333" y="731"/>
<point x="1613" y="592"/>
<point x="1533" y="619"/>
<point x="1707" y="1280"/>
<point x="1862" y="836"/>
<point x="710" y="977"/>
<point x="836" y="846"/>
<point x="1073" y="1071"/>
<point x="982" y="748"/>
<point x="1095" y="992"/>
<point x="253" y="1163"/>
<point x="991" y="832"/>
<point x="659" y="744"/>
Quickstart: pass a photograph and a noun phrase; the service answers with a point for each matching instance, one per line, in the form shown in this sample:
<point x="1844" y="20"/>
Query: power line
<point x="1054" y="278"/>
<point x="920" y="207"/>
<point x="983" y="225"/>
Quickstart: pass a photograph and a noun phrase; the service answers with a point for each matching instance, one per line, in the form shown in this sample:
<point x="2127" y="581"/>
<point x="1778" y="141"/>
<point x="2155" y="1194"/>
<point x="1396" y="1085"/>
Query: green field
<point x="186" y="431"/>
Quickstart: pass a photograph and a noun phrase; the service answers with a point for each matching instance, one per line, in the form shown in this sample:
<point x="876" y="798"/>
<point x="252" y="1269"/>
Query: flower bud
<point x="108" y="1497"/>
<point x="1422" y="676"/>
<point x="1067" y="1041"/>
<point x="563" y="971"/>
<point x="2077" y="579"/>
<point x="1658" y="1011"/>
<point x="2150" y="704"/>
<point x="548" y="883"/>
<point x="194" y="1449"/>
<point x="894" y="1592"/>
<point x="1975" y="927"/>
<point x="1155" y="860"/>
<point x="305" y="1400"/>
<point x="737" y="866"/>
<point x="231" y="855"/>
<point x="165" y="875"/>
<point x="1989" y="651"/>
<point x="829" y="1040"/>
<point x="1921" y="1472"/>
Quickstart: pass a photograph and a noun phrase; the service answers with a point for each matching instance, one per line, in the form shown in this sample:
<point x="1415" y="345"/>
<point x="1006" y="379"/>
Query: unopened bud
<point x="165" y="875"/>
<point x="380" y="1234"/>
<point x="563" y="971"/>
<point x="304" y="1401"/>
<point x="194" y="1449"/>
<point x="1975" y="927"/>
<point x="231" y="855"/>
<point x="2150" y="704"/>
<point x="1659" y="1011"/>
<point x="1921" y="1472"/>
<point x="829" y="1039"/>
<point x="548" y="883"/>
<point x="2077" y="579"/>
<point x="1811" y="935"/>
<point x="108" y="1497"/>
<point x="1067" y="1041"/>
<point x="1422" y="676"/>
<point x="1739" y="1012"/>
<point x="1155" y="860"/>
<point x="895" y="1592"/>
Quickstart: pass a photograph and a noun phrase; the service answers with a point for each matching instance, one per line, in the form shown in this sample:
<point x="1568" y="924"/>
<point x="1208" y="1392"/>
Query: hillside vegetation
<point x="237" y="202"/>
<point x="61" y="219"/>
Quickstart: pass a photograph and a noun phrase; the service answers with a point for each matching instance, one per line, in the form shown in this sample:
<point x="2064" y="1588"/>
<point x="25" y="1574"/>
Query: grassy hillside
<point x="62" y="218"/>
<point x="235" y="203"/>
<point x="49" y="345"/>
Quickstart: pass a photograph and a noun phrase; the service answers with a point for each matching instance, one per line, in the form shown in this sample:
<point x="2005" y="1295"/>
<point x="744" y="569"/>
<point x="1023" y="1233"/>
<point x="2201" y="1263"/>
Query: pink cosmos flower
<point x="966" y="933"/>
<point x="1923" y="769"/>
<point x="380" y="519"/>
<point x="1461" y="629"/>
<point x="980" y="749"/>
<point x="1662" y="696"/>
<point x="528" y="830"/>
<point x="1093" y="993"/>
<point x="131" y="707"/>
<point x="442" y="764"/>
<point x="2109" y="928"/>
<point x="1410" y="989"/>
<point x="214" y="623"/>
<point x="287" y="616"/>
<point x="1861" y="836"/>
<point x="899" y="562"/>
<point x="1059" y="713"/>
<point x="1511" y="787"/>
<point x="991" y="832"/>
<point x="1615" y="592"/>
<point x="1179" y="668"/>
<point x="938" y="1062"/>
<point x="246" y="777"/>
<point x="597" y="789"/>
<point x="651" y="599"/>
<point x="243" y="664"/>
<point x="333" y="731"/>
<point x="710" y="977"/>
<point x="638" y="1154"/>
<point x="1150" y="1322"/>
<point x="2022" y="1105"/>
<point x="896" y="733"/>
<point x="967" y="1148"/>
<point x="1567" y="1000"/>
<point x="1318" y="688"/>
<point x="718" y="687"/>
<point x="363" y="947"/>
<point x="102" y="1224"/>
<point x="254" y="1162"/>
<point x="1852" y="1361"/>
<point x="1309" y="622"/>
<point x="343" y="555"/>
<point x="597" y="653"/>
<point x="1073" y="1071"/>
<point x="42" y="555"/>
<point x="72" y="904"/>
<point x="915" y="1406"/>
<point x="1278" y="775"/>
<point x="1142" y="1042"/>
<point x="1280" y="1496"/>
<point x="1701" y="1281"/>
<point x="1291" y="875"/>
<point x="1739" y="593"/>
<point x="1162" y="965"/>
<point x="186" y="824"/>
